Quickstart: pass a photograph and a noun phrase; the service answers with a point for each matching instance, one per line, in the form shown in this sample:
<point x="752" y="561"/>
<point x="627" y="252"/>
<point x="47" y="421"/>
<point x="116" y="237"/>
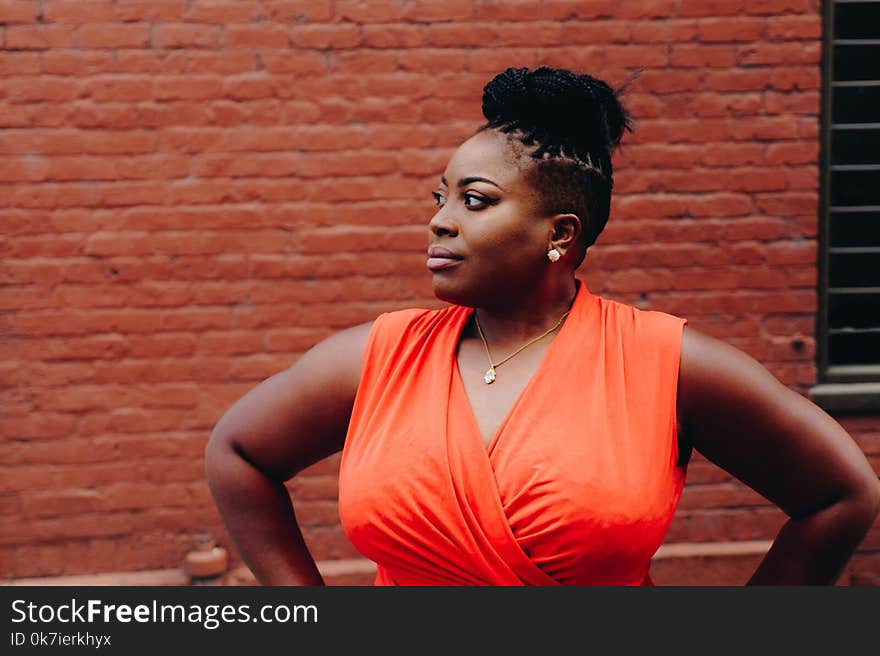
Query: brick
<point x="39" y="37"/>
<point x="16" y="11"/>
<point x="71" y="62"/>
<point x="170" y="35"/>
<point x="298" y="11"/>
<point x="71" y="11"/>
<point x="225" y="12"/>
<point x="666" y="31"/>
<point x="785" y="103"/>
<point x="20" y="63"/>
<point x="735" y="154"/>
<point x="231" y="342"/>
<point x="568" y="9"/>
<point x="471" y="34"/>
<point x="69" y="502"/>
<point x="637" y="56"/>
<point x="151" y="10"/>
<point x="788" y="28"/>
<point x="723" y="495"/>
<point x="59" y="245"/>
<point x="395" y="36"/>
<point x="313" y="487"/>
<point x="300" y="63"/>
<point x="722" y="104"/>
<point x="576" y="57"/>
<point x="325" y="36"/>
<point x="808" y="128"/>
<point x="727" y="30"/>
<point x="721" y="204"/>
<point x="37" y="560"/>
<point x="424" y="11"/>
<point x="439" y="60"/>
<point x="530" y="34"/>
<point x="740" y="80"/>
<point x="329" y="543"/>
<point x="257" y="36"/>
<point x="735" y="524"/>
<point x="52" y="88"/>
<point x="316" y="513"/>
<point x="508" y="10"/>
<point x="803" y="177"/>
<point x="710" y="8"/>
<point x="788" y="204"/>
<point x="762" y="54"/>
<point x="362" y="11"/>
<point x="364" y="61"/>
<point x="42" y="426"/>
<point x="645" y="9"/>
<point x="777" y="7"/>
<point x="670" y="81"/>
<point x="662" y="156"/>
<point x="187" y="87"/>
<point x="792" y="253"/>
<point x="20" y="478"/>
<point x="24" y="169"/>
<point x="591" y="32"/>
<point x="771" y="128"/>
<point x="112" y="35"/>
<point x="702" y="55"/>
<point x="112" y="117"/>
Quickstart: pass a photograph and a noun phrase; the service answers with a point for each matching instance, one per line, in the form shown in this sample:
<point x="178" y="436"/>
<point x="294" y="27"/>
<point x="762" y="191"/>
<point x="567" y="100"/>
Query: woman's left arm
<point x="737" y="415"/>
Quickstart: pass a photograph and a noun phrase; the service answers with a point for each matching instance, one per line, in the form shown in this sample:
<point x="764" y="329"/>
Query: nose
<point x="442" y="224"/>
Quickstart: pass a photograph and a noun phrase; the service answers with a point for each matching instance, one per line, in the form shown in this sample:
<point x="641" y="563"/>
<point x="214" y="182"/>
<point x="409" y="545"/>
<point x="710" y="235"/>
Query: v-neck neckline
<point x="543" y="364"/>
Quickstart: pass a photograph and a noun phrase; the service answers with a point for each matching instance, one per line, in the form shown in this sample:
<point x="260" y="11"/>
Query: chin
<point x="448" y="291"/>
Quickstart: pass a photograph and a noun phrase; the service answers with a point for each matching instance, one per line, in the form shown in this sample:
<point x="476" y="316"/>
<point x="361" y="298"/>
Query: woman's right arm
<point x="286" y="423"/>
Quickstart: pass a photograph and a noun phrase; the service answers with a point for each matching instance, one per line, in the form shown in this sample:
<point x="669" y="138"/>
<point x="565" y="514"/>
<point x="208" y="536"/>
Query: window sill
<point x="847" y="397"/>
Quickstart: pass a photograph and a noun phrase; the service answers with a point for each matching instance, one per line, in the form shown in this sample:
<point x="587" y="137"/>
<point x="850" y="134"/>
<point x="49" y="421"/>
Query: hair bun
<point x="558" y="108"/>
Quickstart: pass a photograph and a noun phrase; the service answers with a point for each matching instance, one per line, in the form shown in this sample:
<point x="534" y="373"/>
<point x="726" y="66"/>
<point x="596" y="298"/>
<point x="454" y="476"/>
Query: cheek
<point x="512" y="231"/>
<point x="522" y="240"/>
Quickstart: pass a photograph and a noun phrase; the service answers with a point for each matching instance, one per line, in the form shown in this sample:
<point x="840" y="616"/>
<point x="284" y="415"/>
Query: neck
<point x="532" y="313"/>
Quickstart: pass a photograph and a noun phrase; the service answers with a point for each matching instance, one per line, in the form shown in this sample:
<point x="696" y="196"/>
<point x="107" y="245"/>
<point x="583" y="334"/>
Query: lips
<point x="442" y="258"/>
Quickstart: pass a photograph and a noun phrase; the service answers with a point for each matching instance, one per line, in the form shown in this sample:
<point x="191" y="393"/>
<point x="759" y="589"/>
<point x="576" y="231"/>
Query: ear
<point x="566" y="230"/>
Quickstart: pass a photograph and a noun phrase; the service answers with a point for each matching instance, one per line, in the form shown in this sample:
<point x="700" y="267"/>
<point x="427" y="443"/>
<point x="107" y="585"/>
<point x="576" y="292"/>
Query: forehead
<point x="489" y="154"/>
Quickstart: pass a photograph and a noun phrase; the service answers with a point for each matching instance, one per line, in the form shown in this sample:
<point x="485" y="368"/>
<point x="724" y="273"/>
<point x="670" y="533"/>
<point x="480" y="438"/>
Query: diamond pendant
<point x="489" y="378"/>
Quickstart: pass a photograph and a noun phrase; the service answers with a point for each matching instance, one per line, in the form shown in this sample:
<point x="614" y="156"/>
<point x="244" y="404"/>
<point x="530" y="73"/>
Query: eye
<point x="481" y="201"/>
<point x="438" y="198"/>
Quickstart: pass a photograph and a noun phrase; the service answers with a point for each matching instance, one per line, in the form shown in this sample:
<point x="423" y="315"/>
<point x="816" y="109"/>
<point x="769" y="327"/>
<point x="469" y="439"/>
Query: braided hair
<point x="574" y="122"/>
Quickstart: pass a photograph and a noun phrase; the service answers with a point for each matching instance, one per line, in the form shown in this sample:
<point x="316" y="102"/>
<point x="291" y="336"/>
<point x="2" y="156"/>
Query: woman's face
<point x="488" y="220"/>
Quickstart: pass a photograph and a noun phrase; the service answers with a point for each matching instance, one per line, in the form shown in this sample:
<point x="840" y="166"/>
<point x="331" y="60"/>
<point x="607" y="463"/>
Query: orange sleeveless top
<point x="578" y="486"/>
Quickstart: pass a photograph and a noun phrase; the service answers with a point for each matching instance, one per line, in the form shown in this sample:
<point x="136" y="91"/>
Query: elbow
<point x="865" y="500"/>
<point x="874" y="497"/>
<point x="871" y="493"/>
<point x="218" y="453"/>
<point x="226" y="461"/>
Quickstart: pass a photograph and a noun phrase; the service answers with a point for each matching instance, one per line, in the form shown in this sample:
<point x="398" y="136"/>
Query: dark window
<point x="849" y="322"/>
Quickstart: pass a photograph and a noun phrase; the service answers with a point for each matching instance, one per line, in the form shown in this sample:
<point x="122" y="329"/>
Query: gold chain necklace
<point x="489" y="378"/>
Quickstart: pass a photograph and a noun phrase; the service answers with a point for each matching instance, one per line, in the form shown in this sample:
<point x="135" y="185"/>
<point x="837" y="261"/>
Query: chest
<point x="491" y="404"/>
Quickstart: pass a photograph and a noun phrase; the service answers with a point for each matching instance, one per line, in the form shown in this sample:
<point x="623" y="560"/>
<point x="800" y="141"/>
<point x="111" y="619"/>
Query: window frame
<point x="840" y="388"/>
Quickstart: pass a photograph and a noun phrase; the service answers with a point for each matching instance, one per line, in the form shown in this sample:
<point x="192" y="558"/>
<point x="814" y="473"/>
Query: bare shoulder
<point x="300" y="415"/>
<point x="340" y="355"/>
<point x="739" y="416"/>
<point x="717" y="379"/>
<point x="712" y="365"/>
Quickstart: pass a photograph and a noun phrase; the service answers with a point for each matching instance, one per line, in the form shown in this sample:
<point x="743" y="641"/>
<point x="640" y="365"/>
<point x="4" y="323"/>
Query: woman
<point x="530" y="432"/>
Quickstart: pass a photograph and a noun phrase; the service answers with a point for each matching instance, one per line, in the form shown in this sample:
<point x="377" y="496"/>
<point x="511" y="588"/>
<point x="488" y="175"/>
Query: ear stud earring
<point x="553" y="255"/>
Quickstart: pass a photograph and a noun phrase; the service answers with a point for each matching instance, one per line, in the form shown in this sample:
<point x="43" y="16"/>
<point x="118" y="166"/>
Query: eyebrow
<point x="473" y="178"/>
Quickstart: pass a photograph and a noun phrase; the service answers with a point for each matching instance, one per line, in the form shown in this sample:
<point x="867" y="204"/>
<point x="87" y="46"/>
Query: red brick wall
<point x="193" y="193"/>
